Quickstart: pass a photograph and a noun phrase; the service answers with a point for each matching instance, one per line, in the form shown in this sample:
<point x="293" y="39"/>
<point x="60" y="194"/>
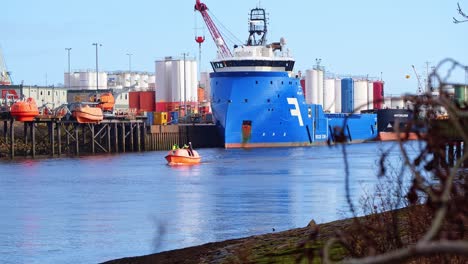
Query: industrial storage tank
<point x="338" y="96"/>
<point x="309" y="92"/>
<point x="329" y="96"/>
<point x="347" y="95"/>
<point x="360" y="95"/>
<point x="378" y="94"/>
<point x="320" y="87"/>
<point x="370" y="95"/>
<point x="177" y="82"/>
<point x="162" y="84"/>
<point x="397" y="102"/>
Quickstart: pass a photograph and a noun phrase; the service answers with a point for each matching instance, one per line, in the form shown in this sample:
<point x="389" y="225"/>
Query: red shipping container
<point x="148" y="101"/>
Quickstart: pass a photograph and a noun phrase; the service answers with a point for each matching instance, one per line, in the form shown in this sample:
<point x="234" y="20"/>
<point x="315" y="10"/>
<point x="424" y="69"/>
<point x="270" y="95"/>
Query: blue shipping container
<point x="149" y="118"/>
<point x="174" y="117"/>
<point x="347" y="95"/>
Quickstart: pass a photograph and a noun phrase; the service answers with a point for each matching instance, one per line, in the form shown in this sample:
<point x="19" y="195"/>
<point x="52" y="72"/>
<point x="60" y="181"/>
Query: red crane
<point x="215" y="34"/>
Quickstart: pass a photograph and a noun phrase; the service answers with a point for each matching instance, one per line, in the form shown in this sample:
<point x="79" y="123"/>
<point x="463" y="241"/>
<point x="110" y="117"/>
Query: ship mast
<point x="258" y="27"/>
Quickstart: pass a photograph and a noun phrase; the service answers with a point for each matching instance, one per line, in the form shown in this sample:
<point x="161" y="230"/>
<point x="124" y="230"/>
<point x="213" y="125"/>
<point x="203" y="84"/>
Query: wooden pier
<point x="58" y="137"/>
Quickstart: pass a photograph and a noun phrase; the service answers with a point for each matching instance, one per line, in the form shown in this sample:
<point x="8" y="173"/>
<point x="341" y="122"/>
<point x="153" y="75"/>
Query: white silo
<point x="338" y="96"/>
<point x="320" y="87"/>
<point x="329" y="95"/>
<point x="86" y="80"/>
<point x="102" y="80"/>
<point x="162" y="81"/>
<point x="193" y="88"/>
<point x="143" y="83"/>
<point x="360" y="95"/>
<point x="176" y="81"/>
<point x="396" y="102"/>
<point x="387" y="102"/>
<point x="370" y="95"/>
<point x="309" y="92"/>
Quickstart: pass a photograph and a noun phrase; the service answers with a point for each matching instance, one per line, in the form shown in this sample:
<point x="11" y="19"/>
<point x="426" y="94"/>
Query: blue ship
<point x="258" y="102"/>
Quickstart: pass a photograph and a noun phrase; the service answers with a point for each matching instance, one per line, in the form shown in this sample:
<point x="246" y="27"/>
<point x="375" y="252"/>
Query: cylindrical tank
<point x="302" y="81"/>
<point x="309" y="88"/>
<point x="162" y="82"/>
<point x="176" y="82"/>
<point x="102" y="80"/>
<point x="347" y="97"/>
<point x="87" y="79"/>
<point x="329" y="95"/>
<point x="193" y="81"/>
<point x="370" y="95"/>
<point x="397" y="102"/>
<point x="337" y="95"/>
<point x="360" y="95"/>
<point x="320" y="87"/>
<point x="147" y="101"/>
<point x="378" y="94"/>
<point x="134" y="100"/>
<point x="461" y="94"/>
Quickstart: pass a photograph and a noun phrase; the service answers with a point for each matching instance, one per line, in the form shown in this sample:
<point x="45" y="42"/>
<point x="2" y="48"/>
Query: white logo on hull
<point x="295" y="111"/>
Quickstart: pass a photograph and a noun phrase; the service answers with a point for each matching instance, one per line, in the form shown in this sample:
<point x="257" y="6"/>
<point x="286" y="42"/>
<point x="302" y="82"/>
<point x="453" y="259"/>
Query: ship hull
<point x="393" y="125"/>
<point x="268" y="109"/>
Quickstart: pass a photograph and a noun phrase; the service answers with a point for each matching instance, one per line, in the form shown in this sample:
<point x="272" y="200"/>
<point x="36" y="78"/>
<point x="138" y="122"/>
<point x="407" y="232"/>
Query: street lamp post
<point x="69" y="73"/>
<point x="97" y="65"/>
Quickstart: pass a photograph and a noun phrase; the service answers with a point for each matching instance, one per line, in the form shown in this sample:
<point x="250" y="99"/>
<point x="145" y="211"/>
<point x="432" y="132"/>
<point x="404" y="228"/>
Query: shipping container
<point x="160" y="118"/>
<point x="149" y="118"/>
<point x="174" y="117"/>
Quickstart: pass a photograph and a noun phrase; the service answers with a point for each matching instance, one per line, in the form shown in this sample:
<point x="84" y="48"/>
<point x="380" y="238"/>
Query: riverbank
<point x="306" y="244"/>
<point x="276" y="247"/>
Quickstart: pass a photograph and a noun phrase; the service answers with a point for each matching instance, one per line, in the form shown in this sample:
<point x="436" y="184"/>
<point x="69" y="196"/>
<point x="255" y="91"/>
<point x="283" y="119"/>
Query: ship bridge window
<point x="229" y="101"/>
<point x="271" y="82"/>
<point x="256" y="82"/>
<point x="246" y="100"/>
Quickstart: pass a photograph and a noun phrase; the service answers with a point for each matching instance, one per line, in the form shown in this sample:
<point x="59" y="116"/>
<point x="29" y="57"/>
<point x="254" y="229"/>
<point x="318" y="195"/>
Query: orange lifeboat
<point x="106" y="101"/>
<point x="87" y="114"/>
<point x="24" y="110"/>
<point x="394" y="136"/>
<point x="183" y="156"/>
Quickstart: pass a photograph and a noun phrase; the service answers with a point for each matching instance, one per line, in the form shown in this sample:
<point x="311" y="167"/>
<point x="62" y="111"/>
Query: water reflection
<point x="98" y="208"/>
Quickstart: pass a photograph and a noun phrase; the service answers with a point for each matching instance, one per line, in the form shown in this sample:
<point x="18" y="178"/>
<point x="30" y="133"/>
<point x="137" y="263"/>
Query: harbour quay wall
<point x="51" y="137"/>
<point x="163" y="137"/>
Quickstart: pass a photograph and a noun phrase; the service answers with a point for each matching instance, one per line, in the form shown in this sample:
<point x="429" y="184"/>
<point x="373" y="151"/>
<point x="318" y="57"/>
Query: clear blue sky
<point x="361" y="37"/>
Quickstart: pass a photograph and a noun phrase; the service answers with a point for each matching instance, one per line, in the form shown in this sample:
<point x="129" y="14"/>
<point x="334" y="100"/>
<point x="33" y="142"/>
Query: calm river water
<point x="94" y="209"/>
